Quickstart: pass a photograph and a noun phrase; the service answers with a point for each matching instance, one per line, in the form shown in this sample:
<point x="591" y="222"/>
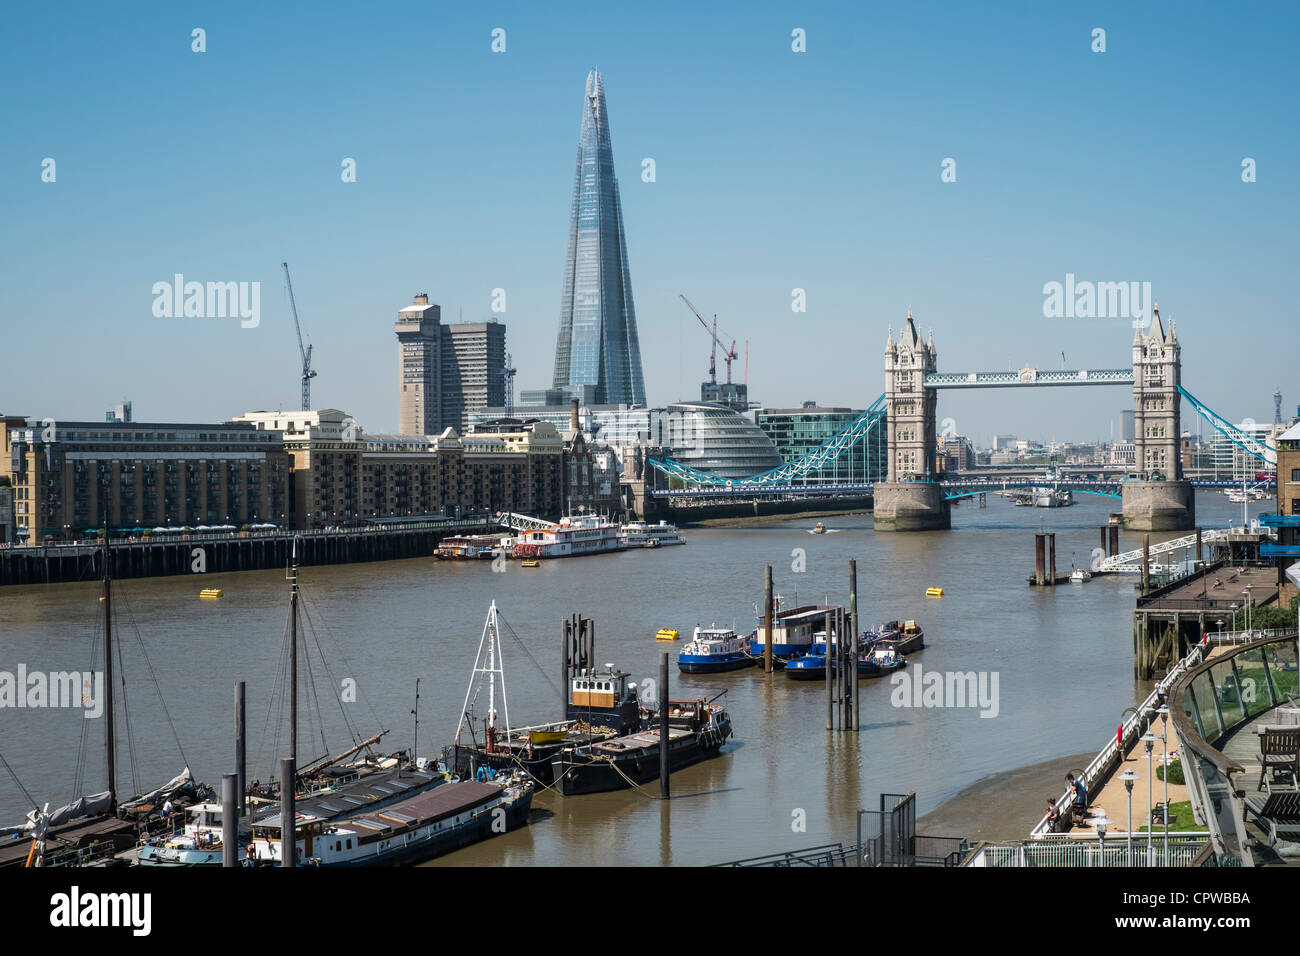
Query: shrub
<point x="1175" y="772"/>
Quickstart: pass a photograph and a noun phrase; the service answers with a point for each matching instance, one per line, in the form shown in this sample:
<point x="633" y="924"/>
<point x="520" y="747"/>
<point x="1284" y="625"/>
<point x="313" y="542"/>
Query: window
<point x="1295" y="474"/>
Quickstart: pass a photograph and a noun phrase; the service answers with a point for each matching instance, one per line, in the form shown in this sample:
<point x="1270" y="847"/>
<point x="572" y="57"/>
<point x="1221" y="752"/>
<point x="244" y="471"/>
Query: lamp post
<point x="1101" y="823"/>
<point x="1148" y="742"/>
<point x="1128" y="776"/>
<point x="1163" y="711"/>
<point x="1233" y="608"/>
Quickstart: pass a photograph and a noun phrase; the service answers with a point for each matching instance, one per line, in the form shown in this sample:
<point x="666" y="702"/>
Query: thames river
<point x="1063" y="660"/>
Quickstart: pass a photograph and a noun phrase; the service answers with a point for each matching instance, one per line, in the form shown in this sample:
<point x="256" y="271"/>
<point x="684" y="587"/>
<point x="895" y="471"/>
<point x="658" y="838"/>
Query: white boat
<point x="569" y="537"/>
<point x="198" y="843"/>
<point x="642" y="534"/>
<point x="1079" y="575"/>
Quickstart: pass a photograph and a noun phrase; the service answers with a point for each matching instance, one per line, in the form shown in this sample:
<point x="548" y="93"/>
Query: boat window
<point x="349" y="844"/>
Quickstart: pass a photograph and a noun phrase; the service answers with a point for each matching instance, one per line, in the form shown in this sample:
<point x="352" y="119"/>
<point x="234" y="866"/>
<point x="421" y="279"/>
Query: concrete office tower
<point x="419" y="378"/>
<point x="473" y="355"/>
<point x="597" y="346"/>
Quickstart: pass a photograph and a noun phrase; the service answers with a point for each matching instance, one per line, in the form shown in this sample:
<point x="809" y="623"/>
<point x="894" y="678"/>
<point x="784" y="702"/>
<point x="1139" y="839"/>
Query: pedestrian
<point x="1053" y="816"/>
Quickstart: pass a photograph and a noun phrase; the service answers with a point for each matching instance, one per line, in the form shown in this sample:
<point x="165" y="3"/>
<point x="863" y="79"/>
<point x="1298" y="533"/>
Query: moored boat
<point x="792" y="631"/>
<point x="411" y="831"/>
<point x="569" y="537"/>
<point x="713" y="650"/>
<point x="643" y="534"/>
<point x="696" y="731"/>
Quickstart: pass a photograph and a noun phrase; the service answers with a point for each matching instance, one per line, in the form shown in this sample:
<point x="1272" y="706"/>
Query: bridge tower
<point x="1157" y="498"/>
<point x="910" y="499"/>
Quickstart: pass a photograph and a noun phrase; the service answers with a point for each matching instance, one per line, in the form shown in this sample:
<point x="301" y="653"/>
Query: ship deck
<point x="428" y="807"/>
<point x="641" y="741"/>
<point x="353" y="796"/>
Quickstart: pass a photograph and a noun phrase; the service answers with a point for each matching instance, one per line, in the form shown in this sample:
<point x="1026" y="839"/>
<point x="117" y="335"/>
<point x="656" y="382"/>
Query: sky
<point x="775" y="170"/>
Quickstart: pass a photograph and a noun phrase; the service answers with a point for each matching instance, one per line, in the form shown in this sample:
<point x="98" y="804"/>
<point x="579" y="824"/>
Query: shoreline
<point x="1001" y="807"/>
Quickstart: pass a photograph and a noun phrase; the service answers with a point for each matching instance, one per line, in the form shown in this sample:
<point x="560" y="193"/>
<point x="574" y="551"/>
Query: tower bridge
<point x="915" y="496"/>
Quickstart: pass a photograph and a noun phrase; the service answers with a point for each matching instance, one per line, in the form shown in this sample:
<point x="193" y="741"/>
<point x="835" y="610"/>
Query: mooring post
<point x="1039" y="557"/>
<point x="767" y="620"/>
<point x="663" y="725"/>
<point x="1198" y="549"/>
<point x="565" y="646"/>
<point x="229" y="819"/>
<point x="828" y="623"/>
<point x="288" y="812"/>
<point x="1051" y="544"/>
<point x="853" y="656"/>
<point x="1114" y="539"/>
<point x="1146" y="563"/>
<point x="240" y="765"/>
<point x="1104" y="552"/>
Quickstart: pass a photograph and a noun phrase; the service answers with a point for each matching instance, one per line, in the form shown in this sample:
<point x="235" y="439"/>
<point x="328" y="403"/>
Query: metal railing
<point x="1140" y="718"/>
<point x="1183" y="851"/>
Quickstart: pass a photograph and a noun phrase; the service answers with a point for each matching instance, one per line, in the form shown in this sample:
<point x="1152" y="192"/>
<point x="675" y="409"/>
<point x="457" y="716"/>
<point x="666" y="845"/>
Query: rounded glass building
<point x="716" y="439"/>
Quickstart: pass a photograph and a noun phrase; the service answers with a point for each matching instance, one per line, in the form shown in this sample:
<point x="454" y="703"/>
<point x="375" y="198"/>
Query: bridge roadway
<point x="968" y="485"/>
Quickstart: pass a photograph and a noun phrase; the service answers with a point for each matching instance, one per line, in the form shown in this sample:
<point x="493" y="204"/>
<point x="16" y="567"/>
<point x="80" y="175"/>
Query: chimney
<point x="573" y="414"/>
<point x="422" y="299"/>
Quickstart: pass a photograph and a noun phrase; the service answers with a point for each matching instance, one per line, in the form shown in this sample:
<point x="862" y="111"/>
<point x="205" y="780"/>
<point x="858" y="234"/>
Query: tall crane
<point x="308" y="373"/>
<point x="508" y="373"/>
<point x="729" y="353"/>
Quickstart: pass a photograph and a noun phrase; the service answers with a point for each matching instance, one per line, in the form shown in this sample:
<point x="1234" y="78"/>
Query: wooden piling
<point x="853" y="644"/>
<point x="229" y="819"/>
<point x="1104" y="552"/>
<point x="1051" y="543"/>
<point x="1039" y="548"/>
<point x="241" y="777"/>
<point x="767" y="620"/>
<point x="663" y="726"/>
<point x="1146" y="563"/>
<point x="1114" y="539"/>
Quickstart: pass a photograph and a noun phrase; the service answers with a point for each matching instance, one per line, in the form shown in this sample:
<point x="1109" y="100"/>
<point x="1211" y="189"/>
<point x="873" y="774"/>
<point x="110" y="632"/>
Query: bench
<point x="1278" y="814"/>
<point x="1279" y="753"/>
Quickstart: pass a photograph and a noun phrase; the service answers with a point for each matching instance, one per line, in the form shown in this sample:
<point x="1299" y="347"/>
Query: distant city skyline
<point x="774" y="171"/>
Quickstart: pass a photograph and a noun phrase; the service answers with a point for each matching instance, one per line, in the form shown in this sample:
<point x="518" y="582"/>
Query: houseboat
<point x="411" y="831"/>
<point x="792" y="631"/>
<point x="474" y="547"/>
<point x="199" y="842"/>
<point x="907" y="637"/>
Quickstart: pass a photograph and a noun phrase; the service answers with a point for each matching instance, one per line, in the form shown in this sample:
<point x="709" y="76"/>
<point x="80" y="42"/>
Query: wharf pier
<point x="199" y="553"/>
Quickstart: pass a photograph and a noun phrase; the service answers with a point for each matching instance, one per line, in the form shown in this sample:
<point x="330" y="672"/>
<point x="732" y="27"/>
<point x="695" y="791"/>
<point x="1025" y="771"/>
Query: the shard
<point x="597" y="357"/>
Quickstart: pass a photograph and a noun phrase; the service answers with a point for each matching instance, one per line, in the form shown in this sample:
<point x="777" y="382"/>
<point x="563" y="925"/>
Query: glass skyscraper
<point x="597" y="357"/>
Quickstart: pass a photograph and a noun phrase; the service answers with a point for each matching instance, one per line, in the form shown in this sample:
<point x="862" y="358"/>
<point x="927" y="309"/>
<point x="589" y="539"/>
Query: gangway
<point x="518" y="522"/>
<point x="1131" y="560"/>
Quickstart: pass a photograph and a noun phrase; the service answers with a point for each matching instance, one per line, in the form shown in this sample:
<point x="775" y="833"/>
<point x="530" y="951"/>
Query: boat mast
<point x="110" y="735"/>
<point x="293" y="661"/>
<point x="492" y="669"/>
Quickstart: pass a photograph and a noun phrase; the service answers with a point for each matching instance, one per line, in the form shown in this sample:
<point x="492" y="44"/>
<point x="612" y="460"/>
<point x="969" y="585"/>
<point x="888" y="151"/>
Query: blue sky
<point x="775" y="170"/>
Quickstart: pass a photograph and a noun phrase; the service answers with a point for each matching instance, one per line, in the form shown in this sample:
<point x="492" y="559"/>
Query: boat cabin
<point x="604" y="698"/>
<point x="798" y="626"/>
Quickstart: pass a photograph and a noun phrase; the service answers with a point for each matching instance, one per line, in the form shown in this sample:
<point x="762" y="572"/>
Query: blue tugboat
<point x="713" y="650"/>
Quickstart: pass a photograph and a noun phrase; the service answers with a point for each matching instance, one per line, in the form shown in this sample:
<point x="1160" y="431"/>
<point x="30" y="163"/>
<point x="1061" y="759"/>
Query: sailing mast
<point x="293" y="661"/>
<point x="110" y="741"/>
<point x="492" y="668"/>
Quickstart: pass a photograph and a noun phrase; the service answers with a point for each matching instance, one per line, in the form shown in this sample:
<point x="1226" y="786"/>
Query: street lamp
<point x="1148" y="742"/>
<point x="1163" y="711"/>
<point x="1128" y="776"/>
<point x="1233" y="608"/>
<point x="1101" y="823"/>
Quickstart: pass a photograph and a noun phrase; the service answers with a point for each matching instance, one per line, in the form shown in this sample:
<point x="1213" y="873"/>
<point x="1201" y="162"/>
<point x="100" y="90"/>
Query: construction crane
<point x="509" y="374"/>
<point x="307" y="372"/>
<point x="729" y="353"/>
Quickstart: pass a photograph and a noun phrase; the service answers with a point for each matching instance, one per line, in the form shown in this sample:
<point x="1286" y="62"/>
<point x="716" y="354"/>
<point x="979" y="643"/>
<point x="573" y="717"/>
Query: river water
<point x="1062" y="657"/>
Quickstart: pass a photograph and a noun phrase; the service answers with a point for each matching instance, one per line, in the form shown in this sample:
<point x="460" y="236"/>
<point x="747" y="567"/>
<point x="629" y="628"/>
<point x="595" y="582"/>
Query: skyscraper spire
<point x="597" y="353"/>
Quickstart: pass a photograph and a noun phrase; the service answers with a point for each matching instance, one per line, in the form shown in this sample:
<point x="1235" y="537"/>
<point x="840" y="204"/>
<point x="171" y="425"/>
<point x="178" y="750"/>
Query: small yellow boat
<point x="212" y="593"/>
<point x="530" y="564"/>
<point x="666" y="634"/>
<point x="934" y="592"/>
